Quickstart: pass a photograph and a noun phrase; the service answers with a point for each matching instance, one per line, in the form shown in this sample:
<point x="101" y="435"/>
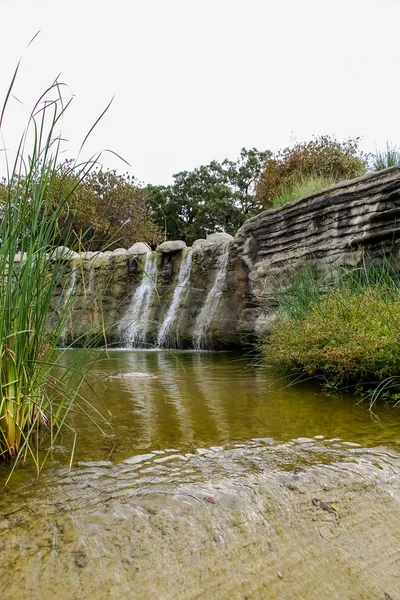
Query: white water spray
<point x="211" y="304"/>
<point x="67" y="301"/>
<point x="91" y="285"/>
<point x="135" y="322"/>
<point x="166" y="329"/>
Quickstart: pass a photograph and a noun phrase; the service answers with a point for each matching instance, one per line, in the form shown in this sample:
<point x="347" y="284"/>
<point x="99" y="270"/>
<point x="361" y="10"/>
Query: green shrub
<point x="106" y="209"/>
<point x="347" y="337"/>
<point x="301" y="188"/>
<point x="322" y="157"/>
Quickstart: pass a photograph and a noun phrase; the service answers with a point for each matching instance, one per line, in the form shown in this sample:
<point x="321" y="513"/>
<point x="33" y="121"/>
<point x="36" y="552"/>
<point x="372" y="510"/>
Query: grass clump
<point x="299" y="189"/>
<point x="32" y="397"/>
<point x="347" y="334"/>
<point x="383" y="159"/>
<point x="301" y="294"/>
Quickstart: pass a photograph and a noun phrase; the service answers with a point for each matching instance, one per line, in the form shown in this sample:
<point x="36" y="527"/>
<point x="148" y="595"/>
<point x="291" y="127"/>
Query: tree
<point x="243" y="176"/>
<point x="322" y="157"/>
<point x="106" y="211"/>
<point x="213" y="197"/>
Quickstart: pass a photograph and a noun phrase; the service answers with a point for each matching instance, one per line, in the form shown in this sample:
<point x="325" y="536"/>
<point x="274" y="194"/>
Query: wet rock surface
<point x="227" y="523"/>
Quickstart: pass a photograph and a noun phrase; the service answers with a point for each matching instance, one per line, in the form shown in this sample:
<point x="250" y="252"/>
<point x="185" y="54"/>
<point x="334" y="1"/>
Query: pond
<point x="214" y="479"/>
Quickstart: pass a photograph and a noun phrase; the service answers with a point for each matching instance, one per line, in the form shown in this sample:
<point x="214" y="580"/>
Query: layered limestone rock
<point x="222" y="292"/>
<point x="333" y="229"/>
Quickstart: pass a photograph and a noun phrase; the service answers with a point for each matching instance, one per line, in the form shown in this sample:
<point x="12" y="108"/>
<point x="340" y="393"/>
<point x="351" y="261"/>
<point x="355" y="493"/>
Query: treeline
<point x="221" y="196"/>
<point x="111" y="210"/>
<point x="213" y="197"/>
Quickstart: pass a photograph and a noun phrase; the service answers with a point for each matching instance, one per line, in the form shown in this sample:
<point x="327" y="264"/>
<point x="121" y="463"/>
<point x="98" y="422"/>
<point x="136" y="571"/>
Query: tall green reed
<point x="32" y="398"/>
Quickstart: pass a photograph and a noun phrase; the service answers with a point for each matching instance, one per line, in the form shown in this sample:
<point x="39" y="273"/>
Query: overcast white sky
<point x="198" y="80"/>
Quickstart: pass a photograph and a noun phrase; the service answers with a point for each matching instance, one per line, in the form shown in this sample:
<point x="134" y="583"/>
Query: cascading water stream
<point x="211" y="304"/>
<point x="91" y="285"/>
<point x="67" y="300"/>
<point x="166" y="330"/>
<point x="135" y="322"/>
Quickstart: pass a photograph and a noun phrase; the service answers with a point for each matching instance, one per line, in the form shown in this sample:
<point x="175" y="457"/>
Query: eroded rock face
<point x="332" y="229"/>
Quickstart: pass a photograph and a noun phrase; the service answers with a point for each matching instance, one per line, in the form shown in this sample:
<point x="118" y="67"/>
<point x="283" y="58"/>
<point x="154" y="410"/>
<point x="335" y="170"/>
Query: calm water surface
<point x="185" y="400"/>
<point x="205" y="485"/>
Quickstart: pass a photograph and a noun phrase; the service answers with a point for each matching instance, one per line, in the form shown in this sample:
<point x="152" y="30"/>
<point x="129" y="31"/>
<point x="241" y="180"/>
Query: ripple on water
<point x="227" y="511"/>
<point x="216" y="484"/>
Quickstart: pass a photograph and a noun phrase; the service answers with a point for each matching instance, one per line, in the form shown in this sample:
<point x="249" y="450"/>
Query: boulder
<point x="89" y="255"/>
<point x="139" y="248"/>
<point x="173" y="246"/>
<point x="219" y="238"/>
<point x="198" y="244"/>
<point x="64" y="253"/>
<point x="120" y="251"/>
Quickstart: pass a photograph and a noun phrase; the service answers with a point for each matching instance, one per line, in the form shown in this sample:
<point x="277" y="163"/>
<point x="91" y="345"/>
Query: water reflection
<point x="187" y="400"/>
<point x="213" y="399"/>
<point x="170" y="367"/>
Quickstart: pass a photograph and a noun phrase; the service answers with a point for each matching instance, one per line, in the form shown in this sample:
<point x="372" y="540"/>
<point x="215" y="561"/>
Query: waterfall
<point x="211" y="304"/>
<point x="67" y="300"/>
<point x="135" y="322"/>
<point x="91" y="286"/>
<point x="166" y="329"/>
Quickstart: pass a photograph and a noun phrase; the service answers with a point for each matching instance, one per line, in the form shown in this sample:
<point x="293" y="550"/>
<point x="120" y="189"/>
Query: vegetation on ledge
<point x="347" y="334"/>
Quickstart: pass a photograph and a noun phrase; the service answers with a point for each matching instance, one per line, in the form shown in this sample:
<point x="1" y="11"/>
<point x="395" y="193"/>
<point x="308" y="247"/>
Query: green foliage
<point x="301" y="188"/>
<point x="105" y="210"/>
<point x="243" y="176"/>
<point x="348" y="337"/>
<point x="31" y="397"/>
<point x="347" y="332"/>
<point x="322" y="157"/>
<point x="301" y="294"/>
<point x="382" y="159"/>
<point x="213" y="197"/>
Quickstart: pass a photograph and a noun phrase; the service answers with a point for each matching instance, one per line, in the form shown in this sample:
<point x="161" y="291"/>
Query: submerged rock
<point x="81" y="559"/>
<point x="133" y="375"/>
